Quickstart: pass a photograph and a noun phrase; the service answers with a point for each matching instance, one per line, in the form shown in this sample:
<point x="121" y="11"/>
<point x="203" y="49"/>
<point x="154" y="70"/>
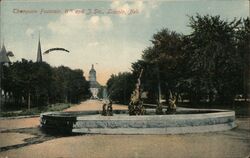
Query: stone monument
<point x="136" y="104"/>
<point x="171" y="104"/>
<point x="107" y="109"/>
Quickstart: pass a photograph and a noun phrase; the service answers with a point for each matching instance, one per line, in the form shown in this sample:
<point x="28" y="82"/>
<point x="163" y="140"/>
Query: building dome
<point x="92" y="70"/>
<point x="92" y="74"/>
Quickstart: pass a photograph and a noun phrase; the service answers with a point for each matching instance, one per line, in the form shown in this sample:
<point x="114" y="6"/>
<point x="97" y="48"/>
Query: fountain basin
<point x="184" y="121"/>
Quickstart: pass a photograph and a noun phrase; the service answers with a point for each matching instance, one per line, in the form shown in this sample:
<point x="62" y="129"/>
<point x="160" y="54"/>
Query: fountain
<point x="138" y="120"/>
<point x="136" y="105"/>
<point x="107" y="109"/>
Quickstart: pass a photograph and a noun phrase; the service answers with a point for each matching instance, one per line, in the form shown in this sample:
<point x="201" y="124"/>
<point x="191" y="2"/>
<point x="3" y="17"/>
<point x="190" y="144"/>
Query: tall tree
<point x="38" y="84"/>
<point x="243" y="47"/>
<point x="213" y="58"/>
<point x="120" y="87"/>
<point x="165" y="61"/>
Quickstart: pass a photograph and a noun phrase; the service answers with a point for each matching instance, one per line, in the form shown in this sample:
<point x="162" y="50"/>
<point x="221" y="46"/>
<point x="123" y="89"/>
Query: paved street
<point x="34" y="121"/>
<point x="22" y="138"/>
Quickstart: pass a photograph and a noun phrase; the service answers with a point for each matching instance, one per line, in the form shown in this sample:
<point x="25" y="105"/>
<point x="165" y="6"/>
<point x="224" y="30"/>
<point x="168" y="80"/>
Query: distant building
<point x="3" y="56"/>
<point x="94" y="85"/>
<point x="4" y="59"/>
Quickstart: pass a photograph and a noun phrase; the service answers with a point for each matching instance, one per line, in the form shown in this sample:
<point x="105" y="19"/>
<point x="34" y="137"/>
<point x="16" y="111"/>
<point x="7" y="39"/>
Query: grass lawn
<point x="36" y="110"/>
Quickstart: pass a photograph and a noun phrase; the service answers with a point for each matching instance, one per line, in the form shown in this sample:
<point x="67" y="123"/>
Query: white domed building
<point x="94" y="85"/>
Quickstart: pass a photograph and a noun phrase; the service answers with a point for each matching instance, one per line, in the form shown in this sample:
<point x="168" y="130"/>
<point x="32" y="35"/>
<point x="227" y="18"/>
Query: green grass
<point x="36" y="110"/>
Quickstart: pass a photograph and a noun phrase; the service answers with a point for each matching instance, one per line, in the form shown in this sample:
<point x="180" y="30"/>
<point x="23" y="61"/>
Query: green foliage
<point x="23" y="78"/>
<point x="243" y="47"/>
<point x="162" y="64"/>
<point x="36" y="110"/>
<point x="120" y="87"/>
<point x="211" y="63"/>
<point x="42" y="83"/>
<point x="215" y="64"/>
<point x="68" y="85"/>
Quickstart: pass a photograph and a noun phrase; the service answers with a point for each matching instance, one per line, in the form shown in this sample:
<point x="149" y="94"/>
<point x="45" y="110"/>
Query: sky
<point x="109" y="34"/>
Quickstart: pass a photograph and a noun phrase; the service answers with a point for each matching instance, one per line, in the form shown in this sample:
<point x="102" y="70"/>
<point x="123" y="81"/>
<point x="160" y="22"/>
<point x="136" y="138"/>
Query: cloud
<point x="126" y="6"/>
<point x="144" y="7"/>
<point x="90" y="39"/>
<point x="72" y="22"/>
<point x="30" y="32"/>
<point x="107" y="22"/>
<point x="67" y="23"/>
<point x="116" y="4"/>
<point x="99" y="23"/>
<point x="93" y="44"/>
<point x="151" y="5"/>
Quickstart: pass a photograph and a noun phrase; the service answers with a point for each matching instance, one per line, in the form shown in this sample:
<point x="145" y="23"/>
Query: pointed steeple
<point x="3" y="55"/>
<point x="39" y="57"/>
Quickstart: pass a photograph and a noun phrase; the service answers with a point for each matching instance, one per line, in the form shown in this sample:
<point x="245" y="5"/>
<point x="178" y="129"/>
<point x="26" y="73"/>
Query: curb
<point x="18" y="117"/>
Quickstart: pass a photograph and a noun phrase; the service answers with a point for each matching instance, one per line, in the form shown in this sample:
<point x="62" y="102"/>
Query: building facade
<point x="94" y="85"/>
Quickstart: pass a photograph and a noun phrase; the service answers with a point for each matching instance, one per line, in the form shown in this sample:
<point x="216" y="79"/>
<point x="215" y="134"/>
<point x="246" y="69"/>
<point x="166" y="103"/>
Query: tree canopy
<point x="38" y="84"/>
<point x="120" y="87"/>
<point x="211" y="63"/>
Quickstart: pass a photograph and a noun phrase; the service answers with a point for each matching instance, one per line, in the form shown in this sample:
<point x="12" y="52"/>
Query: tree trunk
<point x="29" y="101"/>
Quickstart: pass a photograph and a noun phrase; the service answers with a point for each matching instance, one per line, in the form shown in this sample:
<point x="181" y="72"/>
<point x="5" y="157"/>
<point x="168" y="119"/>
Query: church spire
<point x="3" y="55"/>
<point x="39" y="51"/>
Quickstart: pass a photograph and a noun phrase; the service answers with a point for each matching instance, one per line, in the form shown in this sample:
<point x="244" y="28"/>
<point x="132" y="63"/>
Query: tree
<point x="213" y="59"/>
<point x="211" y="63"/>
<point x="120" y="87"/>
<point x="23" y="79"/>
<point x="69" y="85"/>
<point x="38" y="84"/>
<point x="243" y="47"/>
<point x="42" y="76"/>
<point x="163" y="64"/>
<point x="78" y="87"/>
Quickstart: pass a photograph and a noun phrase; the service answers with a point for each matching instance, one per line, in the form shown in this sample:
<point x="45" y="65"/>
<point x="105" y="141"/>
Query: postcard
<point x="124" y="78"/>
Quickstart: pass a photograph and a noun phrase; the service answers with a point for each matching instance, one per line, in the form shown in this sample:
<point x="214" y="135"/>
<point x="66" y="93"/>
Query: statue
<point x="171" y="104"/>
<point x="136" y="104"/>
<point x="107" y="109"/>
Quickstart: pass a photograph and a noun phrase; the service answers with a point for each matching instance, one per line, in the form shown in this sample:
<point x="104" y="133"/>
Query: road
<point x="34" y="121"/>
<point x="23" y="139"/>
